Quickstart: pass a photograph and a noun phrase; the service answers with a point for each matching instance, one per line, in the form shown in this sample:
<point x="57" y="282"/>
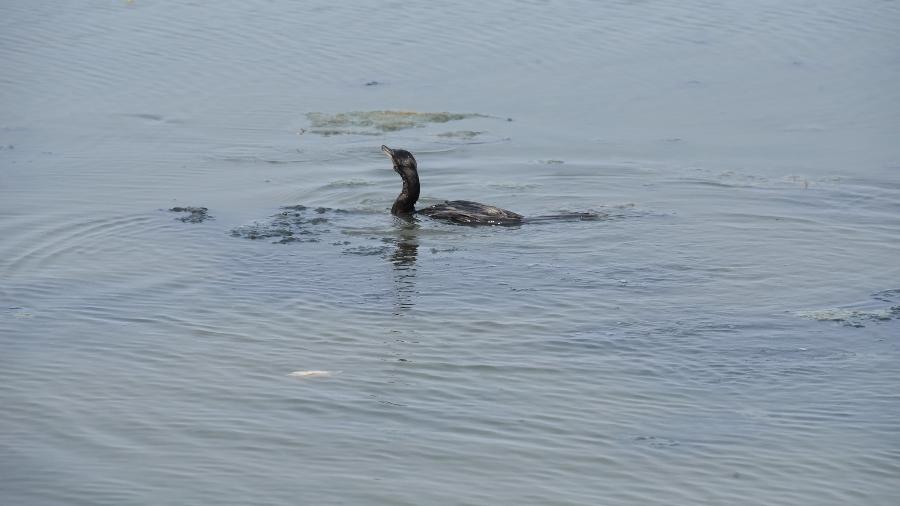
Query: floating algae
<point x="859" y="314"/>
<point x="851" y="317"/>
<point x="377" y="122"/>
<point x="293" y="224"/>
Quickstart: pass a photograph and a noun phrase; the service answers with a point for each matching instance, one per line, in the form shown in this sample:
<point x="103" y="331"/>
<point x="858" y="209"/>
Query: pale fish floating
<point x="310" y="374"/>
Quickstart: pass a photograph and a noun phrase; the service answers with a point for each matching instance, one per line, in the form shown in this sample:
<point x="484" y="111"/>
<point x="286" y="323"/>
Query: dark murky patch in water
<point x="194" y="214"/>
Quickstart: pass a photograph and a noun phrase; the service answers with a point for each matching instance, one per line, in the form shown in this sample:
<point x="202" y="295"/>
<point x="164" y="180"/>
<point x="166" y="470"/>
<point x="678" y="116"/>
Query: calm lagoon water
<point x="726" y="333"/>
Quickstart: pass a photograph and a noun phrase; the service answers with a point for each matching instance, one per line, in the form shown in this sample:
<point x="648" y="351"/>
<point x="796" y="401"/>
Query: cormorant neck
<point x="406" y="201"/>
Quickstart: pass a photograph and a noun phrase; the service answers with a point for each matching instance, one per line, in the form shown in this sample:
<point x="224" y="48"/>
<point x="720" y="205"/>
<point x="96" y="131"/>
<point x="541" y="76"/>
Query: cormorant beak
<point x="388" y="151"/>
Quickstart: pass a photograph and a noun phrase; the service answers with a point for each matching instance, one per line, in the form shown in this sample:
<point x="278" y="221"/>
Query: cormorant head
<point x="404" y="162"/>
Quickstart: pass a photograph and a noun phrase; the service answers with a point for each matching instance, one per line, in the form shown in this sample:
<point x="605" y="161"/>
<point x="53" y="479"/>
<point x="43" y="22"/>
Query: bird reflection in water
<point x="404" y="261"/>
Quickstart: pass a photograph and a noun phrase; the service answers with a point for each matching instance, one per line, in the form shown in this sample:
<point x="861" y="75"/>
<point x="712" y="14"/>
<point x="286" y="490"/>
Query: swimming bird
<point x="463" y="212"/>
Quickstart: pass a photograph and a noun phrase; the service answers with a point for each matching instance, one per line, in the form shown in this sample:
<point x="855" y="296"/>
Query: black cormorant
<point x="457" y="211"/>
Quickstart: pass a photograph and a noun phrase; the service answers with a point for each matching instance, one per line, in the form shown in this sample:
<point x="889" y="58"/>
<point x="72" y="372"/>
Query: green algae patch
<point x="375" y="122"/>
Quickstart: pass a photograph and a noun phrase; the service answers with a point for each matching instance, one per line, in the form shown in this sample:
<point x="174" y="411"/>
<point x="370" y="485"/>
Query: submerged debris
<point x="195" y="214"/>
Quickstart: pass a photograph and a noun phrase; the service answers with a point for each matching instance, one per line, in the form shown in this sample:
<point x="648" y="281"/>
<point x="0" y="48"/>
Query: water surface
<point x="725" y="334"/>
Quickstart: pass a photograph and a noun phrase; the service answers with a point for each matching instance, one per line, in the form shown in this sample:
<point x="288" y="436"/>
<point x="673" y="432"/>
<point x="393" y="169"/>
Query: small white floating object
<point x="309" y="374"/>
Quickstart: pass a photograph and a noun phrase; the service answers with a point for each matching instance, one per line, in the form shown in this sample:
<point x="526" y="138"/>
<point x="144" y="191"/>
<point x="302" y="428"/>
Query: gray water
<point x="726" y="332"/>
